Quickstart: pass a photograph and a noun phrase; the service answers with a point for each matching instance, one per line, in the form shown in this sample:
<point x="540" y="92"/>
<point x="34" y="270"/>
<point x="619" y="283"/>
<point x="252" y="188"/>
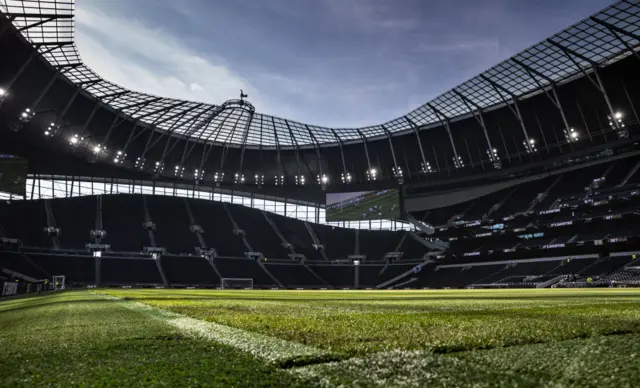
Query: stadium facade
<point x="509" y="168"/>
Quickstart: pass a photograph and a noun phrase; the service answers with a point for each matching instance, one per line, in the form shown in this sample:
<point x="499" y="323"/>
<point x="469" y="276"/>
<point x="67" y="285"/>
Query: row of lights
<point x="457" y="161"/>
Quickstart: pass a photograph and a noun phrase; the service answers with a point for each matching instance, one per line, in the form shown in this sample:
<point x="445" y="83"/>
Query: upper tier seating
<point x="172" y="224"/>
<point x="294" y="276"/>
<point x="339" y="276"/>
<point x="244" y="268"/>
<point x="374" y="244"/>
<point x="217" y="227"/>
<point x="259" y="232"/>
<point x="189" y="270"/>
<point x="338" y="243"/>
<point x="129" y="271"/>
<point x="76" y="218"/>
<point x="122" y="219"/>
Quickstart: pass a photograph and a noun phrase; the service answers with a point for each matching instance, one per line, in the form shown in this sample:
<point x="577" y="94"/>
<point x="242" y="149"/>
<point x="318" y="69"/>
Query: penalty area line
<point x="274" y="350"/>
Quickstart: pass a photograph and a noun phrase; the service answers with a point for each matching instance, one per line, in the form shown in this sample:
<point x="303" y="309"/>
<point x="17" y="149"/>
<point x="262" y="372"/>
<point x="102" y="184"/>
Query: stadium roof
<point x="595" y="41"/>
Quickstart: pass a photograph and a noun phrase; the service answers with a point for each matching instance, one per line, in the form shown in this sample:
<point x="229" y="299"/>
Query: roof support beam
<point x="444" y="120"/>
<point x="66" y="107"/>
<point x="366" y="151"/>
<point x="6" y="26"/>
<point x="315" y="143"/>
<point x="139" y="104"/>
<point x="225" y="143"/>
<point x="344" y="163"/>
<point x="298" y="158"/>
<point x="393" y="152"/>
<point x="615" y="31"/>
<point x="21" y="69"/>
<point x="515" y="109"/>
<point x="477" y="114"/>
<point x="275" y="133"/>
<point x="208" y="145"/>
<point x="178" y="116"/>
<point x="36" y="24"/>
<point x="597" y="82"/>
<point x="414" y="127"/>
<point x="118" y="120"/>
<point x="554" y="98"/>
<point x="244" y="140"/>
<point x="163" y="111"/>
<point x="38" y="15"/>
<point x="52" y="80"/>
<point x="68" y="65"/>
<point x="167" y="149"/>
<point x="216" y="110"/>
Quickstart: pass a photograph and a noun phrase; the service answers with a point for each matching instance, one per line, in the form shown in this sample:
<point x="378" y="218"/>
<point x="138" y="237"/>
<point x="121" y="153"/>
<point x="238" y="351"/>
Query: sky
<point x="338" y="63"/>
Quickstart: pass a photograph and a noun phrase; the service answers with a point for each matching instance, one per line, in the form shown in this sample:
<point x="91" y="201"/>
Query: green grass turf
<point x="79" y="339"/>
<point x="355" y="323"/>
<point x="458" y="338"/>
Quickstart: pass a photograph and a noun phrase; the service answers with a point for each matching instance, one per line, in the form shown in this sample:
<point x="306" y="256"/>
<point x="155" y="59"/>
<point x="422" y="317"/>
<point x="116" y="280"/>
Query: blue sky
<point x="340" y="63"/>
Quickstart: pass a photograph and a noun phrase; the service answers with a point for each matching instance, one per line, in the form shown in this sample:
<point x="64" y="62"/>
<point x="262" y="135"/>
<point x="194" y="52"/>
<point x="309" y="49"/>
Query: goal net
<point x="236" y="283"/>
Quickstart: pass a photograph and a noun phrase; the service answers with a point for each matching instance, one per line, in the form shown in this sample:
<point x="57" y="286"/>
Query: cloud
<point x="125" y="51"/>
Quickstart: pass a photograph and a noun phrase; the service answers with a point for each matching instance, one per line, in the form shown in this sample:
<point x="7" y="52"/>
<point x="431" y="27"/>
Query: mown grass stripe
<point x="271" y="349"/>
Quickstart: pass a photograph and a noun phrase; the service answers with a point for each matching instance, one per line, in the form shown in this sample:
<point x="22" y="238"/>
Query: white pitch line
<point x="270" y="349"/>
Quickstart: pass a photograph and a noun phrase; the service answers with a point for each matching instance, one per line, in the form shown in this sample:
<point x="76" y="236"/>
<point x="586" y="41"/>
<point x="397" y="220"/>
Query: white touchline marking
<point x="261" y="346"/>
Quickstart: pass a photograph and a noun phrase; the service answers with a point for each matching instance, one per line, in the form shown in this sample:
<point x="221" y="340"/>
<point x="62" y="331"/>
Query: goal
<point x="236" y="283"/>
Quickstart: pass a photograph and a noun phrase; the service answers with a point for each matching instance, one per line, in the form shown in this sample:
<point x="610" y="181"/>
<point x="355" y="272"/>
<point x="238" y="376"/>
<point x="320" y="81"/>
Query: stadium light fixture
<point x="218" y="176"/>
<point x="119" y="159"/>
<point x="426" y="168"/>
<point x="158" y="167"/>
<point x="616" y="122"/>
<point x="198" y="175"/>
<point x="530" y="146"/>
<point x="3" y="92"/>
<point x="372" y="174"/>
<point x="457" y="161"/>
<point x="258" y="179"/>
<point x="323" y="179"/>
<point x="346" y="177"/>
<point x="300" y="180"/>
<point x="140" y="162"/>
<point x="26" y="115"/>
<point x="178" y="171"/>
<point x="74" y="139"/>
<point x="571" y="135"/>
<point x="238" y="178"/>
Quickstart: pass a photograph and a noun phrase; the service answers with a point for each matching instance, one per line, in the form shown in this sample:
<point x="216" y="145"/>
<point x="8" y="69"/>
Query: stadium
<point x="488" y="237"/>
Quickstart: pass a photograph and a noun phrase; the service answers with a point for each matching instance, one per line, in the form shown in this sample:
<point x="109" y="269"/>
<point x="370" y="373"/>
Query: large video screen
<point x="363" y="205"/>
<point x="13" y="174"/>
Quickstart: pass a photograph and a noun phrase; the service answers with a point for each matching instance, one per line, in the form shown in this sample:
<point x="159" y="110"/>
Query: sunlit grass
<point x="79" y="339"/>
<point x="355" y="323"/>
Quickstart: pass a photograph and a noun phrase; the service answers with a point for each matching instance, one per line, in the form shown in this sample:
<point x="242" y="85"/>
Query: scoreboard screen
<point x="363" y="205"/>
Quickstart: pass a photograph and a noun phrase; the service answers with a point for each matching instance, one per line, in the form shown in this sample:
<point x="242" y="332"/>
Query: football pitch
<point x="448" y="338"/>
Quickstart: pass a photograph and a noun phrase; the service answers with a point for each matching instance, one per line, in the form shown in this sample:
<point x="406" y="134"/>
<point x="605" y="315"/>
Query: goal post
<point x="236" y="283"/>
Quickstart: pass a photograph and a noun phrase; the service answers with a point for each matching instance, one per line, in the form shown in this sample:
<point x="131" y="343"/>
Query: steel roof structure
<point x="578" y="50"/>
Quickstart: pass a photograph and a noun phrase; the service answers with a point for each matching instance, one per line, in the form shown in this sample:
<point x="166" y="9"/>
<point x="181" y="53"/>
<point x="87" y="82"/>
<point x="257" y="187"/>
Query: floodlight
<point x="532" y="141"/>
<point x="46" y="133"/>
<point x="325" y="178"/>
<point x="2" y="92"/>
<point x="74" y="140"/>
<point x="618" y="115"/>
<point x="96" y="149"/>
<point x="25" y="114"/>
